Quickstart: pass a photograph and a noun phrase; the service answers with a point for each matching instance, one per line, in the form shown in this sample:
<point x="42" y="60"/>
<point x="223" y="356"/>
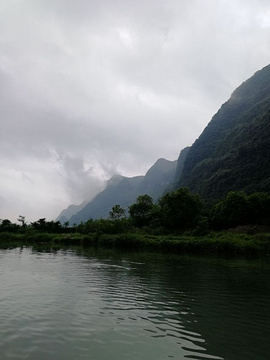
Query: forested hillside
<point x="233" y="152"/>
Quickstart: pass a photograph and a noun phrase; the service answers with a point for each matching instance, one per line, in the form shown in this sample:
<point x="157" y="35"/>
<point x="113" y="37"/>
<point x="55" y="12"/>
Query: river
<point x="102" y="305"/>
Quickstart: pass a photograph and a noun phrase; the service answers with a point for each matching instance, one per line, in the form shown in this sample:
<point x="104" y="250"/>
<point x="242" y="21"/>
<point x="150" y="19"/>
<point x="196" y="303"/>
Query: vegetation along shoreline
<point x="179" y="222"/>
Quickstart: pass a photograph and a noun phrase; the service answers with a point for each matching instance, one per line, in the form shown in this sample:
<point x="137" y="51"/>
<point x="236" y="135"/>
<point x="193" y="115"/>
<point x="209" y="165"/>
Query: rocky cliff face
<point x="233" y="152"/>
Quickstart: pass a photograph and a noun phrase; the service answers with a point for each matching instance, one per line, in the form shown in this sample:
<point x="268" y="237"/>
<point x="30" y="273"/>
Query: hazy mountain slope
<point x="158" y="178"/>
<point x="124" y="191"/>
<point x="180" y="163"/>
<point x="233" y="152"/>
<point x="67" y="213"/>
<point x="121" y="192"/>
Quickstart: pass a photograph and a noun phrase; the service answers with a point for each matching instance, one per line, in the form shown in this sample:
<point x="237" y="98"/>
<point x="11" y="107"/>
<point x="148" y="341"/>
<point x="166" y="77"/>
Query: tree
<point x="180" y="209"/>
<point x="141" y="212"/>
<point x="259" y="208"/>
<point x="66" y="224"/>
<point x="231" y="211"/>
<point x="47" y="226"/>
<point x="117" y="213"/>
<point x="40" y="225"/>
<point x="21" y="220"/>
<point x="7" y="225"/>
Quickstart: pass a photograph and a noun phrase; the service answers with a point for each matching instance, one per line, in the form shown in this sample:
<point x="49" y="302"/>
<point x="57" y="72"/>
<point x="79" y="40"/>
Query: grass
<point x="213" y="243"/>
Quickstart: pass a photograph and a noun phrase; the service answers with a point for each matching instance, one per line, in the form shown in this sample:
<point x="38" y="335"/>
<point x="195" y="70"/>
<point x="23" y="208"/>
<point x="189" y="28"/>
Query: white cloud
<point x="90" y="88"/>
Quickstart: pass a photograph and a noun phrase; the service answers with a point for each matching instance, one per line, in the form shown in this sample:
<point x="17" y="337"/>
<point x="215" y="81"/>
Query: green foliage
<point x="216" y="243"/>
<point x="7" y="226"/>
<point x="117" y="213"/>
<point x="21" y="220"/>
<point x="259" y="209"/>
<point x="231" y="211"/>
<point x="143" y="212"/>
<point x="240" y="209"/>
<point x="154" y="226"/>
<point x="47" y="226"/>
<point x="202" y="227"/>
<point x="180" y="209"/>
<point x="104" y="226"/>
<point x="40" y="225"/>
<point x="232" y="153"/>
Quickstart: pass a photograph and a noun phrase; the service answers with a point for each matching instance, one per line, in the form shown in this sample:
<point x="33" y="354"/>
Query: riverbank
<point x="213" y="243"/>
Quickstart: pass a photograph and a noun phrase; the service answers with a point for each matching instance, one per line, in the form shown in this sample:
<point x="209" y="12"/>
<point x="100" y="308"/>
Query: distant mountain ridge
<point x="233" y="151"/>
<point x="231" y="154"/>
<point x="124" y="191"/>
<point x="67" y="213"/>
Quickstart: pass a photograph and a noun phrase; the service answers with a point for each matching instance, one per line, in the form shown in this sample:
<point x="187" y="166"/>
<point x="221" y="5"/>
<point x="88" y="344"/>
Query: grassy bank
<point x="214" y="243"/>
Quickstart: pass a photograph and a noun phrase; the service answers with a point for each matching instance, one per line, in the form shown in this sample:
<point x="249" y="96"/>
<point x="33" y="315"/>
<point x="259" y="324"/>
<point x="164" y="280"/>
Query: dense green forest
<point x="233" y="152"/>
<point x="178" y="221"/>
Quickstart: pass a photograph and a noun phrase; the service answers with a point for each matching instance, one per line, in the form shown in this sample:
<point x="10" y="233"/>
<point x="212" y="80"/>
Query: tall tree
<point x="180" y="209"/>
<point x="117" y="213"/>
<point x="141" y="212"/>
<point x="231" y="211"/>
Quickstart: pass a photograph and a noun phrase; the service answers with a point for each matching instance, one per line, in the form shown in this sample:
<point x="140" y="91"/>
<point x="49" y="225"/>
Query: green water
<point x="105" y="305"/>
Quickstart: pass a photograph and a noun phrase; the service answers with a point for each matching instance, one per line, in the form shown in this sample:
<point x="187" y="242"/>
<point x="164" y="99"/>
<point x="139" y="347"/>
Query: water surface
<point x="108" y="305"/>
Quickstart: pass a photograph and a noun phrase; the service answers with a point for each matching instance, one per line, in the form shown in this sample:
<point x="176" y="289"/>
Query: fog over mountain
<point x="123" y="191"/>
<point x="92" y="88"/>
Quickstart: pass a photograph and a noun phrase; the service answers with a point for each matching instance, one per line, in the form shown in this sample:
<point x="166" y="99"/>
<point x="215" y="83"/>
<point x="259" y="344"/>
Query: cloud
<point x="92" y="88"/>
<point x="82" y="181"/>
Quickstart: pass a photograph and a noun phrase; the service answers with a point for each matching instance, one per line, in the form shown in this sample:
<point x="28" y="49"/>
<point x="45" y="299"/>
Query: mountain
<point x="119" y="192"/>
<point x="124" y="191"/>
<point x="180" y="163"/>
<point x="233" y="152"/>
<point x="157" y="178"/>
<point x="67" y="213"/>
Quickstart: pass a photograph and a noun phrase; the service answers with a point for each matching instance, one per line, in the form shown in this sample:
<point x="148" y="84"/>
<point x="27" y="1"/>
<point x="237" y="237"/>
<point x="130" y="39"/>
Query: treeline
<point x="41" y="225"/>
<point x="177" y="212"/>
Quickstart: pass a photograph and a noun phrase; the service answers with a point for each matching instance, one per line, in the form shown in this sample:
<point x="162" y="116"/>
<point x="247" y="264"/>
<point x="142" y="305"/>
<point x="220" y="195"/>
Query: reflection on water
<point x="107" y="305"/>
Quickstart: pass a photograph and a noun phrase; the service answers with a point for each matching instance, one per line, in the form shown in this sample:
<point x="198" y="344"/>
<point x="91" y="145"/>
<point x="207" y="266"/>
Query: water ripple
<point x="60" y="305"/>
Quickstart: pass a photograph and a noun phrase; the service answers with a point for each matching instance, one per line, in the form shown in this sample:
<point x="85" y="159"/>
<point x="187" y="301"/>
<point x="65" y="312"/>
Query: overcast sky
<point x="90" y="88"/>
